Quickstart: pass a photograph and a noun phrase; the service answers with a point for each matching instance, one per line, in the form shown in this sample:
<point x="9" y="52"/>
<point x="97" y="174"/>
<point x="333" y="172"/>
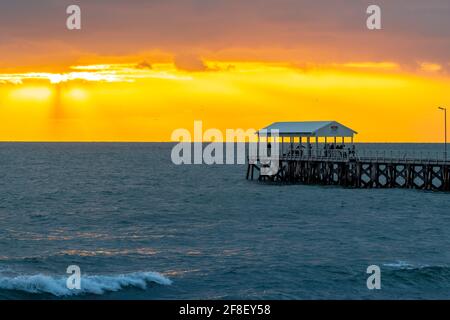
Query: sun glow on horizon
<point x="146" y="102"/>
<point x="31" y="93"/>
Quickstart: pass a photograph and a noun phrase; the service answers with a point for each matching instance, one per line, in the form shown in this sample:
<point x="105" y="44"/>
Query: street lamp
<point x="445" y="130"/>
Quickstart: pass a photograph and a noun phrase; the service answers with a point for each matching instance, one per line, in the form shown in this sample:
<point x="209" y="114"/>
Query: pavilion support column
<point x="308" y="146"/>
<point x="300" y="146"/>
<point x="292" y="146"/>
<point x="317" y="146"/>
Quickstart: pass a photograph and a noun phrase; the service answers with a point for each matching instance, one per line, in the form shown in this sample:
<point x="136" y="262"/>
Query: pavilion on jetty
<point x="323" y="152"/>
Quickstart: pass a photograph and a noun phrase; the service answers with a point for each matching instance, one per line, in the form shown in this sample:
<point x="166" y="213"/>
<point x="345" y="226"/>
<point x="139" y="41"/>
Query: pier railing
<point x="392" y="156"/>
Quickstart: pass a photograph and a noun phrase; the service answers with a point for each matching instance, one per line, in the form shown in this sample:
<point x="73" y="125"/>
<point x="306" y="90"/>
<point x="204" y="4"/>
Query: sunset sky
<point x="140" y="69"/>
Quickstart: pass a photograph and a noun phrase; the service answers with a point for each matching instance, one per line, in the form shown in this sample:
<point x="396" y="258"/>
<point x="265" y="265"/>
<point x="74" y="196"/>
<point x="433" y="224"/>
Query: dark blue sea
<point x="140" y="227"/>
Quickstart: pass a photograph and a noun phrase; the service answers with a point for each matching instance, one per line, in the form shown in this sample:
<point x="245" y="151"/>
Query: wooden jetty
<point x="340" y="164"/>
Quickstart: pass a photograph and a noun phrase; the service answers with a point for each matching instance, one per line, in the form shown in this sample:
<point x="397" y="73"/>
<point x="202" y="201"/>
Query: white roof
<point x="310" y="128"/>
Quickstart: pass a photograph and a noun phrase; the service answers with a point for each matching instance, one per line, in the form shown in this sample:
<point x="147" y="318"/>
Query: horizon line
<point x="149" y="141"/>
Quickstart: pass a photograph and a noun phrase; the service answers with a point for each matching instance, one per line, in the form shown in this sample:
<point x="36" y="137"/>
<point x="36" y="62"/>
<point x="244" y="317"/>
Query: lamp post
<point x="445" y="131"/>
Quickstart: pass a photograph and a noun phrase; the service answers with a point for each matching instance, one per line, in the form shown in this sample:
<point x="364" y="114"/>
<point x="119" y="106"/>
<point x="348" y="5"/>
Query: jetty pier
<point x="324" y="153"/>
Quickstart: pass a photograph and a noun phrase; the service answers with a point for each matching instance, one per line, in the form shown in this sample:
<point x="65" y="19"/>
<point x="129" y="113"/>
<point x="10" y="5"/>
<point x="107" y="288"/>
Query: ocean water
<point x="140" y="227"/>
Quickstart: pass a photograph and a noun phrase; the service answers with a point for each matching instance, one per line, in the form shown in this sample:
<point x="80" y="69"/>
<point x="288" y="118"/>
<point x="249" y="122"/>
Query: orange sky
<point x="131" y="84"/>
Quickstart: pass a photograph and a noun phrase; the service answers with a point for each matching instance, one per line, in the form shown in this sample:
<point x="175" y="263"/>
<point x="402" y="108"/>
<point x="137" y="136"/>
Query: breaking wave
<point x="90" y="284"/>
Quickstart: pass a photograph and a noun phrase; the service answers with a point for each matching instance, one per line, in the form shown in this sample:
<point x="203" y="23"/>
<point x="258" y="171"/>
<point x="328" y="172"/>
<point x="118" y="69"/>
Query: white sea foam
<point x="90" y="284"/>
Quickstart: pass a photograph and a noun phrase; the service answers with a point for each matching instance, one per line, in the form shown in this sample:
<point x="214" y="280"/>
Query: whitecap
<point x="90" y="284"/>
